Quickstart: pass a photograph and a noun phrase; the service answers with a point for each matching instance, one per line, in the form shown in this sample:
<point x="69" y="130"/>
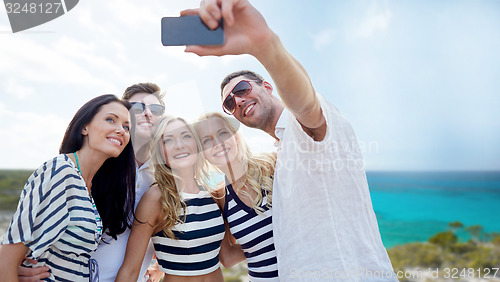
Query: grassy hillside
<point x="477" y="258"/>
<point x="11" y="184"/>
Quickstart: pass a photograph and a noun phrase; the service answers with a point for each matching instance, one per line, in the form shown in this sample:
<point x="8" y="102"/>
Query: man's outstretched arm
<point x="247" y="32"/>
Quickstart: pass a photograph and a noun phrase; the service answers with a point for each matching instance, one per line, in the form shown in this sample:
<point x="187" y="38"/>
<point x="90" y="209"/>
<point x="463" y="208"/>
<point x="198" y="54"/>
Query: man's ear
<point x="268" y="86"/>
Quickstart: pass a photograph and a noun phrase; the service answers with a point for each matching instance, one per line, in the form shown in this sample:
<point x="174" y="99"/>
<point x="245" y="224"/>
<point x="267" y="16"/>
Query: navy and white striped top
<point x="57" y="221"/>
<point x="196" y="250"/>
<point x="254" y="233"/>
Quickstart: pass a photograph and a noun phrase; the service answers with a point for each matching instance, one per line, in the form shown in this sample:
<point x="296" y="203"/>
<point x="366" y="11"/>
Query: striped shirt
<point x="57" y="221"/>
<point x="196" y="250"/>
<point x="254" y="233"/>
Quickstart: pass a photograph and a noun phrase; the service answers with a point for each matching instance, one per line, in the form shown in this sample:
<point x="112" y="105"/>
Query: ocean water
<point x="413" y="206"/>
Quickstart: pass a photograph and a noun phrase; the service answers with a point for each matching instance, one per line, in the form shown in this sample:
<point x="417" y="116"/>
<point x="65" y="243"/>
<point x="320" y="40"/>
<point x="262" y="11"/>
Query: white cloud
<point x="18" y="89"/>
<point x="86" y="19"/>
<point x="85" y="54"/>
<point x="111" y="16"/>
<point x="233" y="60"/>
<point x="72" y="47"/>
<point x="129" y="14"/>
<point x="120" y="50"/>
<point x="375" y="21"/>
<point x="323" y="38"/>
<point x="29" y="139"/>
<point x="30" y="61"/>
<point x="184" y="100"/>
<point x="176" y="53"/>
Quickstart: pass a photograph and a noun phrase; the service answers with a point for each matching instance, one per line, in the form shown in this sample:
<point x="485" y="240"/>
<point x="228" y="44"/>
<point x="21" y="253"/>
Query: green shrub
<point x="496" y="241"/>
<point x="462" y="248"/>
<point x="444" y="251"/>
<point x="444" y="239"/>
<point x="476" y="232"/>
<point x="11" y="185"/>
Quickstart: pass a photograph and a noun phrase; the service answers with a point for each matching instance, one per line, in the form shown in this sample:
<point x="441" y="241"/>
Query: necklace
<point x="77" y="164"/>
<point x="98" y="220"/>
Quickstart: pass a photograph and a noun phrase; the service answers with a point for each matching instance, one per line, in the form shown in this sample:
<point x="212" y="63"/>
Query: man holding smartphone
<point x="323" y="220"/>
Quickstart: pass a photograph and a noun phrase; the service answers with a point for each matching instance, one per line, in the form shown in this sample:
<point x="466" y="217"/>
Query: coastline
<point x="411" y="208"/>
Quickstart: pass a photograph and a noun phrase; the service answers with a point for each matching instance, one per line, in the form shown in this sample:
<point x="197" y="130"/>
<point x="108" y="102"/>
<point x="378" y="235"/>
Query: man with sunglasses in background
<point x="148" y="107"/>
<point x="323" y="220"/>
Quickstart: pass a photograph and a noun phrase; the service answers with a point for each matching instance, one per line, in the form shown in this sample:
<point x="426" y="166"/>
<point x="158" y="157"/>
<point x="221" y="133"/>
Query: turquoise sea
<point x="413" y="206"/>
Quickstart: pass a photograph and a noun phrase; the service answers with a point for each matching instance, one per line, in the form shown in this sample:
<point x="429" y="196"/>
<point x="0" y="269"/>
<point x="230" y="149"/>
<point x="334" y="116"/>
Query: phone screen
<point x="189" y="30"/>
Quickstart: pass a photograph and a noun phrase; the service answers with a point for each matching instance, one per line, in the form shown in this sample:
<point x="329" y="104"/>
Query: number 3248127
<point x="470" y="273"/>
<point x="33" y="8"/>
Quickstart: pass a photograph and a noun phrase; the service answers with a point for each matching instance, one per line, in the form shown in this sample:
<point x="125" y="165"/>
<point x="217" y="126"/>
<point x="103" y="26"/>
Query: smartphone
<point x="189" y="30"/>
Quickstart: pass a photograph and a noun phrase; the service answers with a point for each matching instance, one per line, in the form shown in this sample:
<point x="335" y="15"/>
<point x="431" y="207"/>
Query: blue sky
<point x="418" y="80"/>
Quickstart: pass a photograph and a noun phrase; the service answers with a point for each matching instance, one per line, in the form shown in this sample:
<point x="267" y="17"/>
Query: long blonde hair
<point x="171" y="202"/>
<point x="259" y="167"/>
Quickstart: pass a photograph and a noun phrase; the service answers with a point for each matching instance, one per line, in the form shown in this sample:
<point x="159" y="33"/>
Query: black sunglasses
<point x="139" y="108"/>
<point x="241" y="89"/>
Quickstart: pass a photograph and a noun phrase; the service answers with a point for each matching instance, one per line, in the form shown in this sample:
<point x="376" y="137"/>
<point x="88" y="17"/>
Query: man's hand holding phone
<point x="245" y="30"/>
<point x="189" y="30"/>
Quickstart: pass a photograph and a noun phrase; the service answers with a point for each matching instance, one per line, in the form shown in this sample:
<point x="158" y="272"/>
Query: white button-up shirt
<point x="324" y="225"/>
<point x="110" y="256"/>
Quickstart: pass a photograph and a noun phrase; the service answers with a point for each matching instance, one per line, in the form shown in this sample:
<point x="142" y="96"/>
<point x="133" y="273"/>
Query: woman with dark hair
<point x="57" y="222"/>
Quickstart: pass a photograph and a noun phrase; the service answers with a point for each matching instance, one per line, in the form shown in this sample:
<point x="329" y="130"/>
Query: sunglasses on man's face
<point x="139" y="108"/>
<point x="241" y="89"/>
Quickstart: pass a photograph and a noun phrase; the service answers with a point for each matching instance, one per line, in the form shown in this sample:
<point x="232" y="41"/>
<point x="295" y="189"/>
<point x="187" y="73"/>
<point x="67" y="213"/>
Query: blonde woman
<point x="181" y="218"/>
<point x="247" y="196"/>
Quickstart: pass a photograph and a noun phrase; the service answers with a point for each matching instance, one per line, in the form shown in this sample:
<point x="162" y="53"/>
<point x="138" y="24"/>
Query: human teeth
<point x="221" y="153"/>
<point x="146" y="124"/>
<point x="249" y="108"/>
<point x="181" y="156"/>
<point x="115" y="141"/>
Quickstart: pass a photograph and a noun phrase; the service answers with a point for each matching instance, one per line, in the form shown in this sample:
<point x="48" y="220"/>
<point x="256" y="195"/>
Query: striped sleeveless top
<point x="196" y="250"/>
<point x="254" y="233"/>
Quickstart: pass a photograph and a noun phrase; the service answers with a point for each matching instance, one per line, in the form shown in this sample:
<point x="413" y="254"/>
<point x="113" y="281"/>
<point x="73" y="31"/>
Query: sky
<point x="418" y="80"/>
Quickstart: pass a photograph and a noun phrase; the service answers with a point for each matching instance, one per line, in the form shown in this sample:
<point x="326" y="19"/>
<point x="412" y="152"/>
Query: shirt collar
<point x="281" y="124"/>
<point x="143" y="166"/>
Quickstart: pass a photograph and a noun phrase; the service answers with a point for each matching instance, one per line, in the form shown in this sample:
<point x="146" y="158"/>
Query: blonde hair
<point x="171" y="202"/>
<point x="259" y="167"/>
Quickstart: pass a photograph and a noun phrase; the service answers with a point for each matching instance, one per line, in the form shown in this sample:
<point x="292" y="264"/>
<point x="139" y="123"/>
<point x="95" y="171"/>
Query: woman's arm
<point x="230" y="252"/>
<point x="11" y="256"/>
<point x="147" y="215"/>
